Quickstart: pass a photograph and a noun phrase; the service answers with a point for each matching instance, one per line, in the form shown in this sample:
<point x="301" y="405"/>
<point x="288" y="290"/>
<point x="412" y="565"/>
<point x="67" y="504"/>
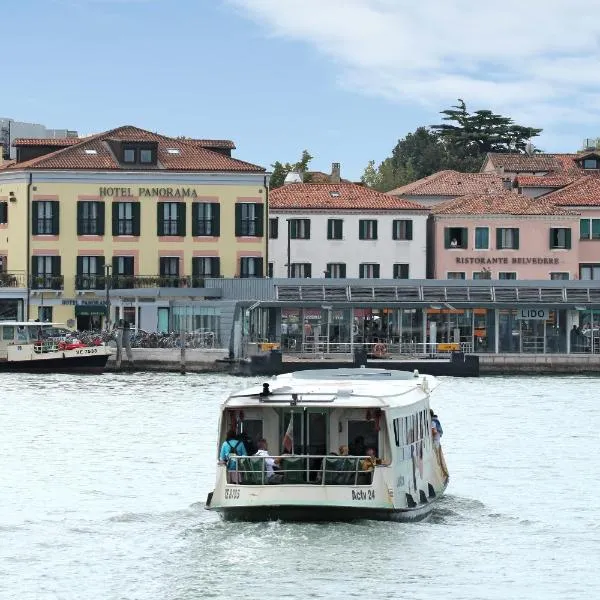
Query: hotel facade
<point x="156" y="215"/>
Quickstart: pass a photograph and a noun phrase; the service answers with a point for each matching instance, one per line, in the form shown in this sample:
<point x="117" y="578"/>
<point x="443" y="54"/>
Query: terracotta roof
<point x="451" y="183"/>
<point x="7" y="163"/>
<point x="58" y="142"/>
<point x="95" y="153"/>
<point x="226" y="144"/>
<point x="525" y="163"/>
<point x="336" y="196"/>
<point x="499" y="204"/>
<point x="550" y="181"/>
<point x="583" y="192"/>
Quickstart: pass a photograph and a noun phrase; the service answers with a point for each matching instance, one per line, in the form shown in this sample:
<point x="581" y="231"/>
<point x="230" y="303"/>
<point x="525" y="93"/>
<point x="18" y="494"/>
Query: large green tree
<point x="281" y="170"/>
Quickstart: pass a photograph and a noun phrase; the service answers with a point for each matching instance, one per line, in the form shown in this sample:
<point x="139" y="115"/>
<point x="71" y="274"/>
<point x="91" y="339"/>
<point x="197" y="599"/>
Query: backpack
<point x="232" y="449"/>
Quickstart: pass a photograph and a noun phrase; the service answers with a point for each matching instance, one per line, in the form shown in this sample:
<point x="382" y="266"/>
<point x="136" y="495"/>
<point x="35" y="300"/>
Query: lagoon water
<point x="103" y="482"/>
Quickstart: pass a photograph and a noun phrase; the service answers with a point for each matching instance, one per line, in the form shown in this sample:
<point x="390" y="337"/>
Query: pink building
<point x="504" y="236"/>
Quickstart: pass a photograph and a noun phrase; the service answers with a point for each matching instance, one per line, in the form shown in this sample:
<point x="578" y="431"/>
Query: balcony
<point x="13" y="280"/>
<point x="128" y="282"/>
<point x="90" y="282"/>
<point x="47" y="282"/>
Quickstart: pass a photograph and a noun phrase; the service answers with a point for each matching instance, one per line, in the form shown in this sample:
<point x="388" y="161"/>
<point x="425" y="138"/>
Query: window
<point x="456" y="237"/>
<point x="483" y="274"/>
<point x="123" y="272"/>
<point x="45" y="271"/>
<point x="401" y="271"/>
<point x="273" y="228"/>
<point x="402" y="229"/>
<point x="270" y="267"/>
<point x="171" y="218"/>
<point x="90" y="273"/>
<point x="248" y="219"/>
<point x="335" y="271"/>
<point x="126" y="218"/>
<point x="559" y="276"/>
<point x="589" y="229"/>
<point x="368" y="270"/>
<point x="300" y="229"/>
<point x="169" y="271"/>
<point x="301" y="270"/>
<point x="589" y="272"/>
<point x="3" y="213"/>
<point x="206" y="219"/>
<point x="45" y="217"/>
<point x="482" y="238"/>
<point x="146" y="156"/>
<point x="507" y="238"/>
<point x="590" y="163"/>
<point x="560" y="238"/>
<point x="455" y="275"/>
<point x="505" y="275"/>
<point x="367" y="229"/>
<point x="139" y="155"/>
<point x="206" y="266"/>
<point x="251" y="266"/>
<point x="129" y="155"/>
<point x="90" y="218"/>
<point x="335" y="229"/>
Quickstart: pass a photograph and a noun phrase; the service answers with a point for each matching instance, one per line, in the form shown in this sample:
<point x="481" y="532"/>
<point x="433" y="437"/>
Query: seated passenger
<point x="270" y="465"/>
<point x="343" y="450"/>
<point x="231" y="448"/>
<point x="368" y="463"/>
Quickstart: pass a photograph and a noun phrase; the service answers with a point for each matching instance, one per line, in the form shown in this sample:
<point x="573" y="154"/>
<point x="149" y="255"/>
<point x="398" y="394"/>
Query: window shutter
<point x="361" y="230"/>
<point x="195" y="265"/>
<point x="160" y="208"/>
<point x="34" y="266"/>
<point x="162" y="263"/>
<point x="100" y="272"/>
<point x="395" y="226"/>
<point x="181" y="210"/>
<point x="330" y="228"/>
<point x="260" y="219"/>
<point x="343" y="271"/>
<point x="79" y="265"/>
<point x="238" y="220"/>
<point x="56" y="272"/>
<point x="3" y="212"/>
<point x="376" y="271"/>
<point x="273" y="228"/>
<point x="79" y="217"/>
<point x="55" y="217"/>
<point x="498" y="238"/>
<point x="307" y="229"/>
<point x="215" y="267"/>
<point x="465" y="238"/>
<point x="293" y="229"/>
<point x="361" y="271"/>
<point x="551" y="245"/>
<point x="375" y="229"/>
<point x="195" y="217"/>
<point x="516" y="238"/>
<point x="328" y="271"/>
<point x="101" y="217"/>
<point x="259" y="266"/>
<point x="115" y="218"/>
<point x="307" y="270"/>
<point x="216" y="219"/>
<point x="446" y="237"/>
<point x="568" y="238"/>
<point x="115" y="266"/>
<point x="136" y="217"/>
<point x="409" y="229"/>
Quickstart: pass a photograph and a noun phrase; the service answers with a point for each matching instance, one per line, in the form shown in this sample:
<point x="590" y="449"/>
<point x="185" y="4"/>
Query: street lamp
<point x="108" y="269"/>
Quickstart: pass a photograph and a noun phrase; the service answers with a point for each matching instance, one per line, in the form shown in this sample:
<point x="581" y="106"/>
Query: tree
<point x="281" y="170"/>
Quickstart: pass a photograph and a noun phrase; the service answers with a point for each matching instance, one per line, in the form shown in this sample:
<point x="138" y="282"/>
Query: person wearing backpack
<point x="231" y="448"/>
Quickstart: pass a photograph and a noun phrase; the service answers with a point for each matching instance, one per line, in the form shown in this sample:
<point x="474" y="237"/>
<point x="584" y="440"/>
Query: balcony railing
<point x="47" y="282"/>
<point x="13" y="280"/>
<point x="153" y="281"/>
<point x="90" y="282"/>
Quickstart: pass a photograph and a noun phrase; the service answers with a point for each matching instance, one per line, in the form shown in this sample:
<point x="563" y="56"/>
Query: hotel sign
<point x="163" y="192"/>
<point x="505" y="260"/>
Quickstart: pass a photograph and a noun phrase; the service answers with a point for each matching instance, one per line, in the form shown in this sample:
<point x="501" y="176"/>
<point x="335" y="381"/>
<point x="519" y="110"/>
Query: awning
<point x="90" y="309"/>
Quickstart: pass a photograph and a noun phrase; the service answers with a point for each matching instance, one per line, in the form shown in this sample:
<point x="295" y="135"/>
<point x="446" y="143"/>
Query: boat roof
<point x="31" y="324"/>
<point x="348" y="387"/>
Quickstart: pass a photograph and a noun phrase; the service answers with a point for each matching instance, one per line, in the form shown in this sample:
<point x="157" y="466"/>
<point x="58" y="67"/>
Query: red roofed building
<point x="345" y="230"/>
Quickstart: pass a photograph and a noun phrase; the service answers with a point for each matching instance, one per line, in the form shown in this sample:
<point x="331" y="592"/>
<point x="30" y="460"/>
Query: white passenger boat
<point x="307" y="419"/>
<point x="29" y="346"/>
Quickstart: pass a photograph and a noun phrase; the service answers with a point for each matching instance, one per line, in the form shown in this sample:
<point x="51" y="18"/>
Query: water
<point x="103" y="482"/>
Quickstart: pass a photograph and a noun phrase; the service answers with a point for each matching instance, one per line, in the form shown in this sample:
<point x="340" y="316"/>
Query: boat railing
<point x="43" y="346"/>
<point x="298" y="469"/>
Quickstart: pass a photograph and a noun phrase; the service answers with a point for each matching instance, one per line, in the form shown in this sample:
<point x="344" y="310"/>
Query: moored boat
<point x="348" y="444"/>
<point x="27" y="346"/>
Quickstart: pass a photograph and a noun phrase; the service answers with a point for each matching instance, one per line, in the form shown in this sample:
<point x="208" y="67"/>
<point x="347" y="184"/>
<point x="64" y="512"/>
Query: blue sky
<point x="342" y="78"/>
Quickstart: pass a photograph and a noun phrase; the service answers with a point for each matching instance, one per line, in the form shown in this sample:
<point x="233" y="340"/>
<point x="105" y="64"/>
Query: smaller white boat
<point x="347" y="444"/>
<point x="27" y="346"/>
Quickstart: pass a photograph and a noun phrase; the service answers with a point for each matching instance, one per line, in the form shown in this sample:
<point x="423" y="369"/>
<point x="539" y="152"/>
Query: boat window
<point x="365" y="429"/>
<point x="253" y="428"/>
<point x="8" y="333"/>
<point x="21" y="334"/>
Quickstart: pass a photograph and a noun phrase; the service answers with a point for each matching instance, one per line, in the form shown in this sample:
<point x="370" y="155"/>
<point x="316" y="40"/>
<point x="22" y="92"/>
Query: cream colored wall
<point x="13" y="236"/>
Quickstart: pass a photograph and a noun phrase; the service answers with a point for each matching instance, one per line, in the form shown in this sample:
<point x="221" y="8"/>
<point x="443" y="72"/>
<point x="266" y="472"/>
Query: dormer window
<point x="590" y="163"/>
<point x="143" y="154"/>
<point x="146" y="156"/>
<point x="129" y="155"/>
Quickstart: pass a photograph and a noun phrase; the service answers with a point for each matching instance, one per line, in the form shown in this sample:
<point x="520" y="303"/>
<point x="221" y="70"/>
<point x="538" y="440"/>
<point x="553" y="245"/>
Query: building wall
<point x="533" y="260"/>
<point x="352" y="251"/>
<point x="589" y="250"/>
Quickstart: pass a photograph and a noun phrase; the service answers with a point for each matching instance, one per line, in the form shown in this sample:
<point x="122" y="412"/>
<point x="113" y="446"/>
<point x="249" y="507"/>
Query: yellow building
<point x="155" y="214"/>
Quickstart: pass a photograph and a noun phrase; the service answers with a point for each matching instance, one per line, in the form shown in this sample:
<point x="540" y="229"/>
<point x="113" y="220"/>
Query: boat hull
<point x="95" y="363"/>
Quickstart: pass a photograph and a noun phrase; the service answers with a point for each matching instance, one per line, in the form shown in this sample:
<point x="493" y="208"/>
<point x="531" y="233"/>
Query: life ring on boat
<point x="380" y="350"/>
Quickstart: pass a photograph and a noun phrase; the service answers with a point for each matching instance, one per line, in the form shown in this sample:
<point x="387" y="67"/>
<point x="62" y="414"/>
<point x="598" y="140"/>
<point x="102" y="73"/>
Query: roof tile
<point x="452" y="183"/>
<point x="585" y="191"/>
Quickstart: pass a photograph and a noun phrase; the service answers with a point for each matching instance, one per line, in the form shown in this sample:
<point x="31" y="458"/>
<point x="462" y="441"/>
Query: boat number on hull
<point x="363" y="494"/>
<point x="232" y="493"/>
<point x="87" y="351"/>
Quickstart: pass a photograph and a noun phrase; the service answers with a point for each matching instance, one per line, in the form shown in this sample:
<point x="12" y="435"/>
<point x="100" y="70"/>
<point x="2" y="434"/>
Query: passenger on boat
<point x="343" y="451"/>
<point x="358" y="448"/>
<point x="270" y="466"/>
<point x="436" y="428"/>
<point x="231" y="448"/>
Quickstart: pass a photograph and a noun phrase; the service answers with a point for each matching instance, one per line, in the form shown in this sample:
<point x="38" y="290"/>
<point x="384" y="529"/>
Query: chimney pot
<point x="335" y="173"/>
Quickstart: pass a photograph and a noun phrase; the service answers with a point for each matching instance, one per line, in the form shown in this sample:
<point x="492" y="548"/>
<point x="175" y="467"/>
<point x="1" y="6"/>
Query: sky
<point x="344" y="79"/>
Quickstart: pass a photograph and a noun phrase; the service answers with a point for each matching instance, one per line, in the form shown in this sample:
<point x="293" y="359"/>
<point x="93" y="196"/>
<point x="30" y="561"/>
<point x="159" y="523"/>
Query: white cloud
<point x="535" y="58"/>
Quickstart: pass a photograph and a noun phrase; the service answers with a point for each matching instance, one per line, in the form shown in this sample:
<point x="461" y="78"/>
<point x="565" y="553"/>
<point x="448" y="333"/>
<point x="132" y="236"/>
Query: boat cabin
<point x="27" y="333"/>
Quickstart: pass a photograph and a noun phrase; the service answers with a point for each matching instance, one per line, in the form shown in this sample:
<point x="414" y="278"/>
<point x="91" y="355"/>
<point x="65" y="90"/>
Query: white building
<point x="344" y="230"/>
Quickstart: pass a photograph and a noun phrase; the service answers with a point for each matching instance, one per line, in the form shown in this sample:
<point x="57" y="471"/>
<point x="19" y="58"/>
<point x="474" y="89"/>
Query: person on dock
<point x="230" y="449"/>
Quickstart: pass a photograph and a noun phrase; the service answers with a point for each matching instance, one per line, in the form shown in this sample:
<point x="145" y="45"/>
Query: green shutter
<point x="259" y="267"/>
<point x="307" y="229"/>
<point x="79" y="217"/>
<point x="55" y="218"/>
<point x="136" y="216"/>
<point x="343" y="271"/>
<point x="34" y="221"/>
<point x="160" y="211"/>
<point x="34" y="266"/>
<point x="584" y="229"/>
<point x="181" y="213"/>
<point x="307" y="270"/>
<point x="446" y="237"/>
<point x="465" y="238"/>
<point x="216" y="219"/>
<point x="376" y="271"/>
<point x="115" y="218"/>
<point x="100" y="272"/>
<point x="293" y="229"/>
<point x="101" y="217"/>
<point x="3" y="211"/>
<point x="56" y="283"/>
<point x="115" y="266"/>
<point x="79" y="266"/>
<point x="260" y="219"/>
<point x="195" y="217"/>
<point x="395" y="229"/>
<point x="409" y="229"/>
<point x="568" y="238"/>
<point x="516" y="238"/>
<point x="551" y="244"/>
<point x="215" y="266"/>
<point x="361" y="230"/>
<point x="330" y="228"/>
<point x="328" y="271"/>
<point x="238" y="220"/>
<point x="195" y="264"/>
<point x="498" y="238"/>
<point x="375" y="229"/>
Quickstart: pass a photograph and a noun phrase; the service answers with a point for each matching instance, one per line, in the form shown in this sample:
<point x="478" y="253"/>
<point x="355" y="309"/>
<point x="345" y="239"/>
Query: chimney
<point x="335" y="173"/>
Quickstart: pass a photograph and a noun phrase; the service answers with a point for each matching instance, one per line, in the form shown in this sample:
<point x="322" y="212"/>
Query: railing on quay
<point x="298" y="469"/>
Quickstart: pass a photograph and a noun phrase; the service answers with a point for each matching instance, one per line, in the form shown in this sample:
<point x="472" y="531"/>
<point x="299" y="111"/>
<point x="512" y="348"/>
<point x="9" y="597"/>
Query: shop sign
<point x="505" y="260"/>
<point x="73" y="302"/>
<point x="534" y="314"/>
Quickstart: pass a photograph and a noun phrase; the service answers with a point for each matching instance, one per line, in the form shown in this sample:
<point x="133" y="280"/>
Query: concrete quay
<point x="542" y="364"/>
